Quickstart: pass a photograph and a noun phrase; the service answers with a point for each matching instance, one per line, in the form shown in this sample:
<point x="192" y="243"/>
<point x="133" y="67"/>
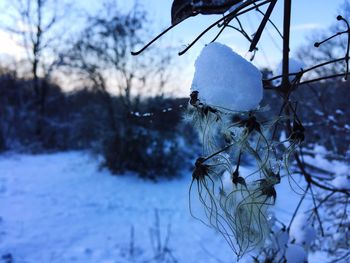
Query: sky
<point x="308" y="17"/>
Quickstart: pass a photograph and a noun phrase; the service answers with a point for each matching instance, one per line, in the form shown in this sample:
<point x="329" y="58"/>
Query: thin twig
<point x="262" y="26"/>
<point x="233" y="14"/>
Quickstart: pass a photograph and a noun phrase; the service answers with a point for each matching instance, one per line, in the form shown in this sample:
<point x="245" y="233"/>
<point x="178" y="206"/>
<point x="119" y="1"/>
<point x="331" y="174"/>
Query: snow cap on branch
<point x="224" y="79"/>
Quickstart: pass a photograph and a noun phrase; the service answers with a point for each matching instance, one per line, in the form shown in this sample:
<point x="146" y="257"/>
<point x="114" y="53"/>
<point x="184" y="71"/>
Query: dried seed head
<point x="200" y="169"/>
<point x="194" y="98"/>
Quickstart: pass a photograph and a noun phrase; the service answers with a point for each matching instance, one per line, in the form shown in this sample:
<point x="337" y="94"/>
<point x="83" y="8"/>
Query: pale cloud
<point x="305" y="27"/>
<point x="9" y="46"/>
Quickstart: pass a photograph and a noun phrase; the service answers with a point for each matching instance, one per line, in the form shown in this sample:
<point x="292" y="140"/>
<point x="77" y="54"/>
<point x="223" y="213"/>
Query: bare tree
<point x="34" y="24"/>
<point x="101" y="55"/>
<point x="326" y="49"/>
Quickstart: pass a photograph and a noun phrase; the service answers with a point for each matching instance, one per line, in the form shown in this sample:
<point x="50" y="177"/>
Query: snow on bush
<point x="295" y="254"/>
<point x="226" y="80"/>
<point x="341" y="181"/>
<point x="340" y="169"/>
<point x="278" y="241"/>
<point x="301" y="232"/>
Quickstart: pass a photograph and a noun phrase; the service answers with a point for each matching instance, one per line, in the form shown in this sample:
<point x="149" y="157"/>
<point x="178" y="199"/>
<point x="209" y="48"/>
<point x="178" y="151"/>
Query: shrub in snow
<point x="224" y="79"/>
<point x="148" y="144"/>
<point x="150" y="154"/>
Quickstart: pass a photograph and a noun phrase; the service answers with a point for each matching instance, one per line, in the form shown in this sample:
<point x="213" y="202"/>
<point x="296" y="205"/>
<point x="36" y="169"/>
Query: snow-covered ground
<point x="62" y="208"/>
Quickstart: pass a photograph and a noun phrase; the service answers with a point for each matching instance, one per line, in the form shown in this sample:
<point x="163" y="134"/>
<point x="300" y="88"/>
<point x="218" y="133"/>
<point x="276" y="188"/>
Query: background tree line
<point x="107" y="110"/>
<point x="118" y="106"/>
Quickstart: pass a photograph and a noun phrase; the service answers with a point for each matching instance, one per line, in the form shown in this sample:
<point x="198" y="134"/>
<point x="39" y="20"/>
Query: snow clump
<point x="226" y="80"/>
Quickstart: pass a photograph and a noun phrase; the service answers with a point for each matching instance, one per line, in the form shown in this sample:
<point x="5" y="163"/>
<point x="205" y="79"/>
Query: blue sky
<point x="308" y="16"/>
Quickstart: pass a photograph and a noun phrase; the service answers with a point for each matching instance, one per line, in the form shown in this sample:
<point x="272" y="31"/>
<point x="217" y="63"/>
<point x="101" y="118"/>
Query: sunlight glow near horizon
<point x="307" y="17"/>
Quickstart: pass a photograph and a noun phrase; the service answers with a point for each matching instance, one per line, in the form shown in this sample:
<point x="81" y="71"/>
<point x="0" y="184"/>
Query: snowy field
<point x="63" y="208"/>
